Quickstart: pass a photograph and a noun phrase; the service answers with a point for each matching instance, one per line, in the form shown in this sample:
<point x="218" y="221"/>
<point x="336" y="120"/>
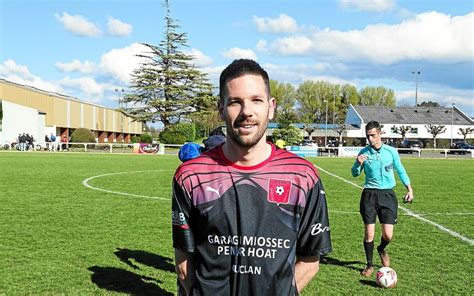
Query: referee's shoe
<point x="367" y="271"/>
<point x="384" y="257"/>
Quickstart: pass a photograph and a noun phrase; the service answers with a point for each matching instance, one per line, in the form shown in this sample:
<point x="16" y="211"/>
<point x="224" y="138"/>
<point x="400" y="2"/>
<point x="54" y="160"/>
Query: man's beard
<point x="246" y="141"/>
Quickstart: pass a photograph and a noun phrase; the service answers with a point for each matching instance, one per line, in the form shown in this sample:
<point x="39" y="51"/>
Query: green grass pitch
<point x="58" y="236"/>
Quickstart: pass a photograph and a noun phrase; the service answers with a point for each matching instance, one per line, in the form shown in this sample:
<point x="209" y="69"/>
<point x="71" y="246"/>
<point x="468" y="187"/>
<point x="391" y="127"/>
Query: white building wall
<point x="18" y="119"/>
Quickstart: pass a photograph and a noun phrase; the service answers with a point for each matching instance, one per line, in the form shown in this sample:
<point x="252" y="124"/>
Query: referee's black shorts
<point x="378" y="202"/>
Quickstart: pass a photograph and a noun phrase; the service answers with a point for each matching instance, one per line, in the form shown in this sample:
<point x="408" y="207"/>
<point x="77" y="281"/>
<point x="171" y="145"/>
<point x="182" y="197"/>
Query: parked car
<point x="410" y="146"/>
<point x="460" y="148"/>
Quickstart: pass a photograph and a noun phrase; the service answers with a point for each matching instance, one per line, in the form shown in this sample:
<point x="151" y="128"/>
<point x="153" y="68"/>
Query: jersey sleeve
<point x="314" y="238"/>
<point x="402" y="173"/>
<point x="183" y="238"/>
<point x="356" y="167"/>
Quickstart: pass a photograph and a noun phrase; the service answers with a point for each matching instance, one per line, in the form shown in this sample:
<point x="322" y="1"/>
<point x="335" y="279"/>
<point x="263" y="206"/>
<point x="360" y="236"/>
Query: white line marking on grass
<point x="425" y="214"/>
<point x="86" y="183"/>
<point x="410" y="212"/>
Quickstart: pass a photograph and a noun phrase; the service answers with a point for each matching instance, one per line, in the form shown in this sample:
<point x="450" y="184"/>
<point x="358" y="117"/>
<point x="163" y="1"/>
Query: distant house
<point x="414" y="117"/>
<point x="319" y="130"/>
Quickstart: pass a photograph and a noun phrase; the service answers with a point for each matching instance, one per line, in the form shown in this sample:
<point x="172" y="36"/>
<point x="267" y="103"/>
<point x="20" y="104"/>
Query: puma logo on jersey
<point x="216" y="191"/>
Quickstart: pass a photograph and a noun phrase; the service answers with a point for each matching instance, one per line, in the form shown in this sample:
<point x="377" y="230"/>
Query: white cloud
<point x="444" y="96"/>
<point x="368" y="5"/>
<point x="118" y="28"/>
<point x="200" y="59"/>
<point x="330" y="79"/>
<point x="239" y="53"/>
<point x="77" y="66"/>
<point x="282" y="24"/>
<point x="429" y="36"/>
<point x="78" y="25"/>
<point x="93" y="90"/>
<point x="297" y="45"/>
<point x="121" y="62"/>
<point x="20" y="74"/>
<point x="261" y="45"/>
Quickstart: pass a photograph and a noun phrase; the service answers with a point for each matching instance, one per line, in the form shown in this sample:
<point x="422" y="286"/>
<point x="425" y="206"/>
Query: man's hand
<point x="184" y="265"/>
<point x="408" y="197"/>
<point x="361" y="158"/>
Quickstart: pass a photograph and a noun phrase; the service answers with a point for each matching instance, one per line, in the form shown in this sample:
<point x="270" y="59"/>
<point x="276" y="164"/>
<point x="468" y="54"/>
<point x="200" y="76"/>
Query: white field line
<point x="410" y="212"/>
<point x="86" y="183"/>
<point x="425" y="214"/>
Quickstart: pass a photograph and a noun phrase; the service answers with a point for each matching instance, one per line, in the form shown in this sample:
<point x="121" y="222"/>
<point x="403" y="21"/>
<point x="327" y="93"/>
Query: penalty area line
<point x="86" y="184"/>
<point x="409" y="212"/>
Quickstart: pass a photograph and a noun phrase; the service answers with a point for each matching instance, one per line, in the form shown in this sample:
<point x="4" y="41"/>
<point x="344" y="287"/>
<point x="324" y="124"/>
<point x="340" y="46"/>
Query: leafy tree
<point x="429" y="104"/>
<point x="186" y="129"/>
<point x="291" y="135"/>
<point x="172" y="136"/>
<point x="465" y="131"/>
<point x="435" y="130"/>
<point x="401" y="130"/>
<point x="167" y="87"/>
<point x="205" y="121"/>
<point x="82" y="135"/>
<point x="335" y="103"/>
<point x="146" y="138"/>
<point x="348" y="95"/>
<point x="311" y="96"/>
<point x="377" y="96"/>
<point x="135" y="139"/>
<point x="285" y="99"/>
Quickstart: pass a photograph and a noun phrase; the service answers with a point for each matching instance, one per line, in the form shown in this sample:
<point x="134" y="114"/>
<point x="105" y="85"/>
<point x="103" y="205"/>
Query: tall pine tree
<point x="167" y="87"/>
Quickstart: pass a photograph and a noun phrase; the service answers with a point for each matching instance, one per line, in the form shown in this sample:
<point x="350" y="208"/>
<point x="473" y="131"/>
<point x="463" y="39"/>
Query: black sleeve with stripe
<point x="183" y="238"/>
<point x="314" y="237"/>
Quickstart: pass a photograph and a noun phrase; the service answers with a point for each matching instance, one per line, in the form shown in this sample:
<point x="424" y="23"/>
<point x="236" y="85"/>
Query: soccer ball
<point x="386" y="277"/>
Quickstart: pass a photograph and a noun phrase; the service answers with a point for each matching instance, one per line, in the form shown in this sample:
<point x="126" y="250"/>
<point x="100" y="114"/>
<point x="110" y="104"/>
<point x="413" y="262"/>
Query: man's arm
<point x="305" y="269"/>
<point x="184" y="266"/>
<point x="409" y="196"/>
<point x="357" y="166"/>
<point x="404" y="178"/>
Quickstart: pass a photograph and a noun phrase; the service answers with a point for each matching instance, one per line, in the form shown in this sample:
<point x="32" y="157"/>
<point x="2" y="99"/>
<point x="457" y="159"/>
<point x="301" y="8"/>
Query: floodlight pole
<point x="452" y="123"/>
<point x="334" y="110"/>
<point x="326" y="126"/>
<point x="416" y="73"/>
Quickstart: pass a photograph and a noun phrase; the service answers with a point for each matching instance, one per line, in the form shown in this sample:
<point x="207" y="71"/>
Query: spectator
<point x="280" y="143"/>
<point x="53" y="142"/>
<point x="189" y="151"/>
<point x="212" y="142"/>
<point x="64" y="145"/>
<point x="47" y="141"/>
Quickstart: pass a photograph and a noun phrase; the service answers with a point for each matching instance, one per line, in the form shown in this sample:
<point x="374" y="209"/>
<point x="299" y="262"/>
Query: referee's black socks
<point x="383" y="244"/>
<point x="369" y="252"/>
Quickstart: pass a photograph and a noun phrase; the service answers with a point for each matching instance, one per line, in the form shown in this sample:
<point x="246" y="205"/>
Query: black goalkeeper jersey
<point x="246" y="225"/>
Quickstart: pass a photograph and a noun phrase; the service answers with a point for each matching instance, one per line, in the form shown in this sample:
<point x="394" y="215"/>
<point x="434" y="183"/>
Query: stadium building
<point x="26" y="109"/>
<point x="415" y="118"/>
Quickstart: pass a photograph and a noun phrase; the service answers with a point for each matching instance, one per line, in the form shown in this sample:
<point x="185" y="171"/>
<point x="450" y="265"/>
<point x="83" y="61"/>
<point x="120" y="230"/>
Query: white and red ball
<point x="386" y="277"/>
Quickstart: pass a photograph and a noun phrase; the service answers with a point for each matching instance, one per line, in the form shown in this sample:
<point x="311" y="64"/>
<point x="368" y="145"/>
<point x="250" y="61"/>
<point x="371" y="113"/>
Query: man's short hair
<point x="372" y="124"/>
<point x="239" y="68"/>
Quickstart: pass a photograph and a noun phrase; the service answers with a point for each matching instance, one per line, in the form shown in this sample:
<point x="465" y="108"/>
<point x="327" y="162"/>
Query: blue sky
<point x="87" y="48"/>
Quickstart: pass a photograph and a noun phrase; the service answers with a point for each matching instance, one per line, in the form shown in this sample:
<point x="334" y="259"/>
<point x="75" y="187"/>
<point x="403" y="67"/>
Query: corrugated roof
<point x="413" y="115"/>
<point x="310" y="125"/>
<point x="32" y="88"/>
